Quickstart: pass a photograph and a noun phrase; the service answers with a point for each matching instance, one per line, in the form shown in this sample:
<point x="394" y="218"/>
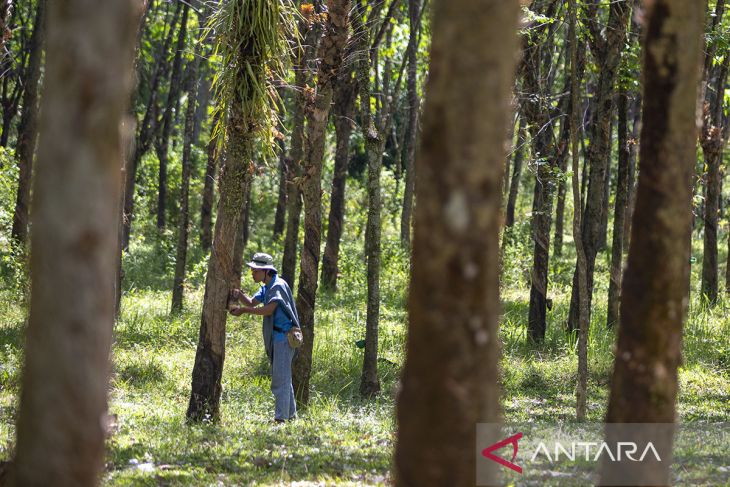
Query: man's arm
<point x="238" y="295"/>
<point x="266" y="310"/>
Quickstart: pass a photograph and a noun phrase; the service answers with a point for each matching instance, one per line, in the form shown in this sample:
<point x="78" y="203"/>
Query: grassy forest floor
<point x="340" y="438"/>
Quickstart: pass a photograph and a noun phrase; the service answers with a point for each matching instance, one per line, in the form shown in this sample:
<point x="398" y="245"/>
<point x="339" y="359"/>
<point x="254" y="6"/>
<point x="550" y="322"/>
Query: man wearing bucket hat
<point x="280" y="316"/>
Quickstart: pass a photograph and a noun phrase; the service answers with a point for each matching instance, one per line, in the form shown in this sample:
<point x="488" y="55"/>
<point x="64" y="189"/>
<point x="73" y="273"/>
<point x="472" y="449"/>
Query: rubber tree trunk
<point x="540" y="126"/>
<point x="633" y="149"/>
<point x="656" y="282"/>
<point x="450" y="376"/>
<point x="344" y="112"/>
<point x="236" y="172"/>
<point x="576" y="66"/>
<point x="173" y="97"/>
<point x="60" y="433"/>
<point x="28" y="130"/>
<point x="331" y="47"/>
<point x="414" y="104"/>
<point x="191" y="88"/>
<point x="609" y="54"/>
<point x="206" y="206"/>
<point x="373" y="130"/>
<point x="514" y="185"/>
<point x="221" y="276"/>
<point x="280" y="214"/>
<point x="303" y="70"/>
<point x="619" y="213"/>
<point x="712" y="142"/>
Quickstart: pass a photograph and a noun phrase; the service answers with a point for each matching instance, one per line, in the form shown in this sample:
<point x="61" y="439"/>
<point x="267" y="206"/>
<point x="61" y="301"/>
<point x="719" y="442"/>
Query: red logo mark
<point x="487" y="452"/>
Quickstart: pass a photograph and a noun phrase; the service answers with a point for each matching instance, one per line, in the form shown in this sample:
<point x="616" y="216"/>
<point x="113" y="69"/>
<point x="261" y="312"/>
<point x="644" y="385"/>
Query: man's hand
<point x="235" y="295"/>
<point x="236" y="310"/>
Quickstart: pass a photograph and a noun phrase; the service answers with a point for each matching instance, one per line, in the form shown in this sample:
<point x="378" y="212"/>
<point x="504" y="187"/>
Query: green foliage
<point x="250" y="35"/>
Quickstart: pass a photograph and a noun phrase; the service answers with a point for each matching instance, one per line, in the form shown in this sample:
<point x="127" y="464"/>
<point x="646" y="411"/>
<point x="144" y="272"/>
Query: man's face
<point x="258" y="274"/>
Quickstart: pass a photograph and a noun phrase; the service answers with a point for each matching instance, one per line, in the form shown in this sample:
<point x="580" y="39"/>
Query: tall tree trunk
<point x="450" y="376"/>
<point x="514" y="186"/>
<point x="712" y="142"/>
<point x="543" y="152"/>
<point x="280" y="215"/>
<point x="609" y="55"/>
<point x="206" y="205"/>
<point x="27" y="131"/>
<point x="619" y="213"/>
<point x="247" y="47"/>
<point x="220" y="279"/>
<point x="183" y="228"/>
<point x="65" y="384"/>
<point x="344" y="112"/>
<point x="576" y="66"/>
<point x="565" y="141"/>
<point x="633" y="149"/>
<point x="147" y="129"/>
<point x="414" y="16"/>
<point x="331" y="47"/>
<point x="603" y="232"/>
<point x="310" y="32"/>
<point x="173" y="97"/>
<point x="373" y="132"/>
<point x="656" y="281"/>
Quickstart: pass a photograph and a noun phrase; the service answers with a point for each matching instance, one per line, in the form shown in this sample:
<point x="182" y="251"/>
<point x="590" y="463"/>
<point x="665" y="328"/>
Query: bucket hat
<point x="263" y="261"/>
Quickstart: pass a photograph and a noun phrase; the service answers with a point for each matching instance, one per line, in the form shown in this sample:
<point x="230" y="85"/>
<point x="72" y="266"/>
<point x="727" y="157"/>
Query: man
<point x="280" y="315"/>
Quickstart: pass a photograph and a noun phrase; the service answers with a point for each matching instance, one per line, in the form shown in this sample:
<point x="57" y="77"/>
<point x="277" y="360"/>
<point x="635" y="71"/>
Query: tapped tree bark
<point x="331" y="47"/>
<point x="656" y="282"/>
<point x="88" y="77"/>
<point x="456" y="227"/>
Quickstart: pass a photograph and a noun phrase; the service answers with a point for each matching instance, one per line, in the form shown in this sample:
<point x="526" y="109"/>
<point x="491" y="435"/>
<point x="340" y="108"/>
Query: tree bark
<point x="543" y="151"/>
<point x="310" y="32"/>
<point x="619" y="213"/>
<point x="633" y="149"/>
<point x="331" y="47"/>
<point x="344" y="112"/>
<point x="514" y="185"/>
<point x="656" y="282"/>
<point x="280" y="215"/>
<point x="450" y="376"/>
<point x="173" y="98"/>
<point x="88" y="77"/>
<point x="609" y="55"/>
<point x="576" y="66"/>
<point x="414" y="104"/>
<point x="183" y="228"/>
<point x="206" y="206"/>
<point x="712" y="142"/>
<point x="27" y="130"/>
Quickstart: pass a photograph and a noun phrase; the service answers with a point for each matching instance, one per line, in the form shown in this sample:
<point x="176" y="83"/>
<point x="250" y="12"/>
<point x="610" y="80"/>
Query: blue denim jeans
<point x="284" y="405"/>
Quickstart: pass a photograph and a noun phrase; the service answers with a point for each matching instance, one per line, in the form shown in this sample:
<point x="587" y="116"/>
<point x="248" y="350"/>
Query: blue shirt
<point x="281" y="321"/>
